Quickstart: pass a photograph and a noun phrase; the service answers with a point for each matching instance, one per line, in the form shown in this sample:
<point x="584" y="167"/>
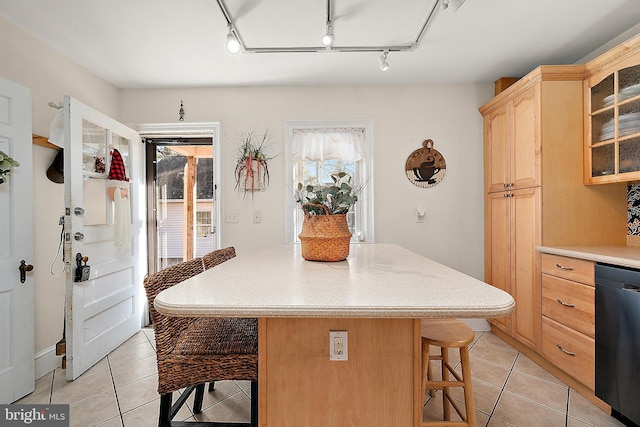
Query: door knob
<point x="78" y="236"/>
<point x="24" y="267"/>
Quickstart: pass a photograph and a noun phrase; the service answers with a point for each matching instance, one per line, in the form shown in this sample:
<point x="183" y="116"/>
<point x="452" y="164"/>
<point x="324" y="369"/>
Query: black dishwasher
<point x="618" y="340"/>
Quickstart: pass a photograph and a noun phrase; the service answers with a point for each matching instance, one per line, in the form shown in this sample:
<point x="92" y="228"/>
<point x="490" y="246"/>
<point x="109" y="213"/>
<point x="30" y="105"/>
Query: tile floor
<point x="509" y="390"/>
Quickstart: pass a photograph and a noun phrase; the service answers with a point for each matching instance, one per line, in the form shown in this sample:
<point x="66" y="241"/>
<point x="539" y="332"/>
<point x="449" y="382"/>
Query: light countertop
<point x="376" y="281"/>
<point x="626" y="256"/>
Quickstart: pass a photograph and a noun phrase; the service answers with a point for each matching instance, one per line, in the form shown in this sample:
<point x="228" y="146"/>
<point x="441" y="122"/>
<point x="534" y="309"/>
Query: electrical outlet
<point x="338" y="345"/>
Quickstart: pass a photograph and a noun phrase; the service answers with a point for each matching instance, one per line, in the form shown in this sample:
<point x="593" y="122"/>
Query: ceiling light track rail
<point x="342" y="49"/>
<point x="426" y="23"/>
<point x="235" y="44"/>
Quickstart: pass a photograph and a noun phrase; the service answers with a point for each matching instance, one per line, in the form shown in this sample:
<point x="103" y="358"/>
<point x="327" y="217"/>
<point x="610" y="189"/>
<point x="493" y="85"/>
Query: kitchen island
<point x="378" y="295"/>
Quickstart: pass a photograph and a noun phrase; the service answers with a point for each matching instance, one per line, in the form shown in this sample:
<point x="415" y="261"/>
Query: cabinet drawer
<point x="570" y="303"/>
<point x="569" y="350"/>
<point x="575" y="269"/>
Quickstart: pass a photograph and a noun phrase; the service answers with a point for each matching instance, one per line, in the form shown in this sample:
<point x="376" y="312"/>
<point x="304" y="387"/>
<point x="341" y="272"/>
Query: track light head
<point x="328" y="38"/>
<point x="233" y="44"/>
<point x="384" y="65"/>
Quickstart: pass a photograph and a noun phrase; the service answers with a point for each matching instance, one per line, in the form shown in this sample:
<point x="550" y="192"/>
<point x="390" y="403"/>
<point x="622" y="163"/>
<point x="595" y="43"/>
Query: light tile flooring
<point x="509" y="390"/>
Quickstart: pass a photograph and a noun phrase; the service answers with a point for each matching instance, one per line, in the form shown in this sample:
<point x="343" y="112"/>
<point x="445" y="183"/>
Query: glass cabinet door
<point x="615" y="124"/>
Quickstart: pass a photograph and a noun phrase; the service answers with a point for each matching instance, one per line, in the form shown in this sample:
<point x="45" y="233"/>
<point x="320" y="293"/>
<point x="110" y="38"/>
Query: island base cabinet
<point x="376" y="386"/>
<point x="569" y="350"/>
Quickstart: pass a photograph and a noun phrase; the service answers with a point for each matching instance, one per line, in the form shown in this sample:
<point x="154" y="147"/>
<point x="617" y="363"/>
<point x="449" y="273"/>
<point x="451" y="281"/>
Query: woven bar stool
<point x="218" y="256"/>
<point x="191" y="352"/>
<point x="446" y="334"/>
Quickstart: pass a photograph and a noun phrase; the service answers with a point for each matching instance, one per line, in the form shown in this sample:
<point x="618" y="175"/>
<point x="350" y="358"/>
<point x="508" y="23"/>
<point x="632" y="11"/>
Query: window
<point x="316" y="149"/>
<point x="203" y="223"/>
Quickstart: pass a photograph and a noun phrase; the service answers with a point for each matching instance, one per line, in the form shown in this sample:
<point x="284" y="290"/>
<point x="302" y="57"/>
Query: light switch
<point x="232" y="216"/>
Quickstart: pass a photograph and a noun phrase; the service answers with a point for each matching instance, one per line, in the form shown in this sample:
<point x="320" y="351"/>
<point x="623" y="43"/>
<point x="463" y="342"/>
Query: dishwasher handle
<point x="630" y="288"/>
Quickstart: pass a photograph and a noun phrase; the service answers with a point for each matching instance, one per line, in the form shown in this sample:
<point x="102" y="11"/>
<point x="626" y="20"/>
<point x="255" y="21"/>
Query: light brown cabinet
<point x="534" y="192"/>
<point x="568" y="316"/>
<point x="612" y="115"/>
<point x="514" y="151"/>
<point x="512" y="235"/>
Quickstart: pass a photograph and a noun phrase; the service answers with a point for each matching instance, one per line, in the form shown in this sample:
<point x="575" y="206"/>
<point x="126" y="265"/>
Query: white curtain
<point x="328" y="144"/>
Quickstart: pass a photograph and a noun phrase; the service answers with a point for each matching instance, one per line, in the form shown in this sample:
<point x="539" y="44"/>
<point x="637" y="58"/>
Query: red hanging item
<point x="117" y="171"/>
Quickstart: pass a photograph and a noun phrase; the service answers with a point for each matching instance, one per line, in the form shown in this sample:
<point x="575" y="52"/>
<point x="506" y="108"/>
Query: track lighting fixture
<point x="384" y="65"/>
<point x="233" y="44"/>
<point x="328" y="38"/>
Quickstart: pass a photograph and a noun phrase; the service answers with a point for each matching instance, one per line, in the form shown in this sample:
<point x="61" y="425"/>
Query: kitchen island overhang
<point x="376" y="281"/>
<point x="378" y="295"/>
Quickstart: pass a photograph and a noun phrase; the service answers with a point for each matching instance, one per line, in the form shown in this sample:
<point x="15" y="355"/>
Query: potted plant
<point x="252" y="168"/>
<point x="325" y="234"/>
<point x="6" y="164"/>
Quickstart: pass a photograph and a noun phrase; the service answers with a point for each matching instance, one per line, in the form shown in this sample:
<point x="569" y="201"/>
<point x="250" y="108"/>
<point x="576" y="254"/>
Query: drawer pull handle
<point x="570" y="353"/>
<point x="564" y="267"/>
<point x="565" y="304"/>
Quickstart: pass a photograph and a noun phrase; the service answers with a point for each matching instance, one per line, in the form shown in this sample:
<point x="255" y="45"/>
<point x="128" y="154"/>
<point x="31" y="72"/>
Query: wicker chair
<point x="193" y="351"/>
<point x="212" y="259"/>
<point x="218" y="256"/>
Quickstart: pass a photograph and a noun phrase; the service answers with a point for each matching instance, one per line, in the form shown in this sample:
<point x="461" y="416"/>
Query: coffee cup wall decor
<point x="425" y="167"/>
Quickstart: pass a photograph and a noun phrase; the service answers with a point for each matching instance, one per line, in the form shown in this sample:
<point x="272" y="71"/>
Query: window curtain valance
<point x="345" y="144"/>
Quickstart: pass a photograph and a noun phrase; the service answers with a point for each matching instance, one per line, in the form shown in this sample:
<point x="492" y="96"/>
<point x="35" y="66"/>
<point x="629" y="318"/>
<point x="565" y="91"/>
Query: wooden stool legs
<point x="468" y="390"/>
<point x="460" y="337"/>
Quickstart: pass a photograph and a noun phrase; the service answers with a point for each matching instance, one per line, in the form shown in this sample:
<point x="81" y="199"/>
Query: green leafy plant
<point x="6" y="164"/>
<point x="332" y="199"/>
<point x="251" y="150"/>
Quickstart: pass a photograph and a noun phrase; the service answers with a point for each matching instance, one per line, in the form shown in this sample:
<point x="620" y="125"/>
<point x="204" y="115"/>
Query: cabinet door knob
<point x="564" y="267"/>
<point x="565" y="304"/>
<point x="570" y="353"/>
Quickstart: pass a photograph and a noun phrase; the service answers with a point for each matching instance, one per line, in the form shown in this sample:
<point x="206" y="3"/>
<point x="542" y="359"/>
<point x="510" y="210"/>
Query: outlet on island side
<point x="338" y="345"/>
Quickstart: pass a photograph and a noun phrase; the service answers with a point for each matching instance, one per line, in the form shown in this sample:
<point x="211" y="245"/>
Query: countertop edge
<point x="625" y="256"/>
<point x="336" y="312"/>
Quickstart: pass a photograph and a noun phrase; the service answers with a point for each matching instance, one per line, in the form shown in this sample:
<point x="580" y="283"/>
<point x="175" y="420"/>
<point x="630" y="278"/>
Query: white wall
<point x="403" y="117"/>
<point x="50" y="76"/>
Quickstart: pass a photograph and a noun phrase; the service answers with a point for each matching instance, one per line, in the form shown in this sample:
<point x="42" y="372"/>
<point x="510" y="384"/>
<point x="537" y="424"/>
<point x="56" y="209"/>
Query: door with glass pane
<point x="183" y="199"/>
<point x="104" y="230"/>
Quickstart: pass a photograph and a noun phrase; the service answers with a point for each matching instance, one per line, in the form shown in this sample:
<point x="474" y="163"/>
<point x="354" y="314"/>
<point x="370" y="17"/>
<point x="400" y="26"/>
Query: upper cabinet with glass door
<point x="612" y="115"/>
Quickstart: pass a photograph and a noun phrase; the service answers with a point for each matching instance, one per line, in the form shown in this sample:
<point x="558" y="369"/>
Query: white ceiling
<point x="171" y="43"/>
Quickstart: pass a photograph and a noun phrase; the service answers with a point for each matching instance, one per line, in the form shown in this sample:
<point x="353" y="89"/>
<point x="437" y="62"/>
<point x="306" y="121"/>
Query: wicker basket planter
<point x="325" y="237"/>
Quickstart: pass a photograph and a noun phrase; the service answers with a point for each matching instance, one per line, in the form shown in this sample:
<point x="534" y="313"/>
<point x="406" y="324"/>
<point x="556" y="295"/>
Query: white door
<point x="17" y="356"/>
<point x="106" y="308"/>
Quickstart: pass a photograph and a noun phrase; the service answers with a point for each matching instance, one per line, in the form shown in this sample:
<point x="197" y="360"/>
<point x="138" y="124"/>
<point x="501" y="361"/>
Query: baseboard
<point x="47" y="361"/>
<point x="477" y="325"/>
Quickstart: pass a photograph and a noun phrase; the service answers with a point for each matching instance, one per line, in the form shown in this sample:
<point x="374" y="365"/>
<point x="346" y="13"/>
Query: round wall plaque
<point x="425" y="167"/>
